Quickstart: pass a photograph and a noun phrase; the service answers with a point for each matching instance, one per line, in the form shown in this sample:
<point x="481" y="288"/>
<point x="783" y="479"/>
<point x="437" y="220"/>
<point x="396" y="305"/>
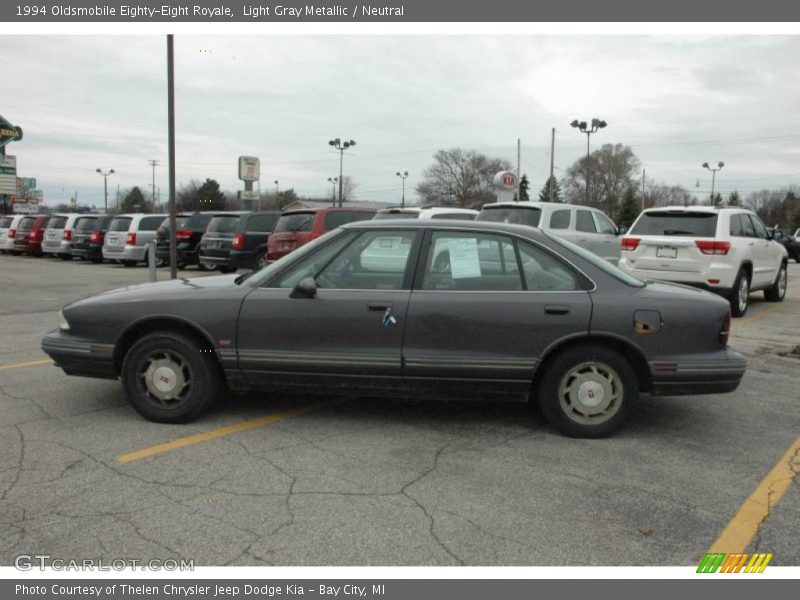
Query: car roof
<point x="295" y="211"/>
<point x="537" y="205"/>
<point x="431" y="209"/>
<point x="696" y="208"/>
<point x="485" y="226"/>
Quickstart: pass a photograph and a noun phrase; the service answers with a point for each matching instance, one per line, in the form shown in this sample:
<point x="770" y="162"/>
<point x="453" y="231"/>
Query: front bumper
<point x="718" y="373"/>
<point x="79" y="356"/>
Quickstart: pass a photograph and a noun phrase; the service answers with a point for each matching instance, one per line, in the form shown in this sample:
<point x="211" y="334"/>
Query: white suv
<point x="725" y="250"/>
<point x="427" y="212"/>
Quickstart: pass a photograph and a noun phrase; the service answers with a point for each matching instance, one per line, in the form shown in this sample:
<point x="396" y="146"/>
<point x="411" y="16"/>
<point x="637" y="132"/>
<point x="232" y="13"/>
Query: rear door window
<point x="747" y="226"/>
<point x="584" y="221"/>
<point x="736" y="226"/>
<point x="760" y="228"/>
<point x="560" y="219"/>
<point x="695" y="224"/>
<point x="604" y="224"/>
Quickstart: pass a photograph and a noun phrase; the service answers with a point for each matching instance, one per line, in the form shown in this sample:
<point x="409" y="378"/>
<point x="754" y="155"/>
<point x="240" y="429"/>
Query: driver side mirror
<point x="622" y="230"/>
<point x="305" y="288"/>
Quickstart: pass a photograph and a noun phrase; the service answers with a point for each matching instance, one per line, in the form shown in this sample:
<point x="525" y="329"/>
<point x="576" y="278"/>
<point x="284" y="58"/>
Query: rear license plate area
<point x="666" y="252"/>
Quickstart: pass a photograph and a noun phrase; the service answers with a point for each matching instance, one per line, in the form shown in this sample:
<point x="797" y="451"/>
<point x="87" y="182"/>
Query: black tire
<point x="777" y="291"/>
<point x="65" y="256"/>
<point x="259" y="260"/>
<point x="96" y="261"/>
<point x="741" y="286"/>
<point x="222" y="269"/>
<point x="14" y="252"/>
<point x="176" y="355"/>
<point x="129" y="263"/>
<point x="203" y="267"/>
<point x="608" y="376"/>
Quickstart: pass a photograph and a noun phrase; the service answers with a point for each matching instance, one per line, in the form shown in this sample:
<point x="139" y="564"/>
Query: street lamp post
<point x="584" y="127"/>
<point x="276" y="188"/>
<point x="105" y="185"/>
<point x="333" y="180"/>
<point x="705" y="165"/>
<point x="403" y="176"/>
<point x="341" y="147"/>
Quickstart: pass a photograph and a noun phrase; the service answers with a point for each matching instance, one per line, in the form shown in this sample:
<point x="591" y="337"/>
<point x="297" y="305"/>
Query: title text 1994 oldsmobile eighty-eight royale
<point x="410" y="308"/>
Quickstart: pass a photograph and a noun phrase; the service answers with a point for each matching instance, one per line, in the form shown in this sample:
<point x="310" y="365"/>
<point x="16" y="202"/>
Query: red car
<point x="298" y="227"/>
<point x="30" y="234"/>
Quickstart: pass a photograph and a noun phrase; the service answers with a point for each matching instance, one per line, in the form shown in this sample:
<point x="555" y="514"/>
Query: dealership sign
<point x="249" y="168"/>
<point x="505" y="180"/>
<point x="8" y="132"/>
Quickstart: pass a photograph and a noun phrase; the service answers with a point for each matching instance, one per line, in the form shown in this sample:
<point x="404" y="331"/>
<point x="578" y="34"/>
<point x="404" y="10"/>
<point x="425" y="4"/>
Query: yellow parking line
<point x="214" y="434"/>
<point x="760" y="315"/>
<point x="30" y="363"/>
<point x="743" y="527"/>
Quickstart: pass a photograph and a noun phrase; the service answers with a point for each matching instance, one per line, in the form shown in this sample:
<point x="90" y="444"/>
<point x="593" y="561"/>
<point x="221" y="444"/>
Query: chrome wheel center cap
<point x="591" y="394"/>
<point x="164" y="379"/>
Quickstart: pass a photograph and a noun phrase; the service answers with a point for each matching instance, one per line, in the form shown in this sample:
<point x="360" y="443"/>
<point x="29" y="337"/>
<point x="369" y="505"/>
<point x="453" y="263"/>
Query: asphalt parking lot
<point x="355" y="481"/>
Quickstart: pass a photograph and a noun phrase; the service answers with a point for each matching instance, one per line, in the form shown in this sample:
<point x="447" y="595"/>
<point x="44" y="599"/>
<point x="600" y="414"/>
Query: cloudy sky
<point x="93" y="101"/>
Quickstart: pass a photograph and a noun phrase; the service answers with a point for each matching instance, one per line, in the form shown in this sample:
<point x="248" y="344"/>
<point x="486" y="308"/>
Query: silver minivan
<point x="57" y="240"/>
<point x="127" y="237"/>
<point x="585" y="226"/>
<point x="9" y="223"/>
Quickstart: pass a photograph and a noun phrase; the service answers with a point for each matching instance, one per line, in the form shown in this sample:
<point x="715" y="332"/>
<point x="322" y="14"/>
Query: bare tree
<point x="661" y="194"/>
<point x="611" y="171"/>
<point x="460" y="178"/>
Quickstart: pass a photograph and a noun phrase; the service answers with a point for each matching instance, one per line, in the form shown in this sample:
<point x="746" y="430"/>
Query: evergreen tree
<point x="717" y="200"/>
<point x="628" y="209"/>
<point x="734" y="199"/>
<point x="524" y="186"/>
<point x="544" y="194"/>
<point x="134" y="201"/>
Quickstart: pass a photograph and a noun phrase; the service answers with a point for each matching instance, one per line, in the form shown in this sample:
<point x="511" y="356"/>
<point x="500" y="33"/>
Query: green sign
<point x="8" y="132"/>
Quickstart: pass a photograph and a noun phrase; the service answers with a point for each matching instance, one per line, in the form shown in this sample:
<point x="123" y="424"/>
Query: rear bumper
<point x="135" y="253"/>
<point x="235" y="259"/>
<point x="56" y="247"/>
<point x="88" y="251"/>
<point x="723" y="273"/>
<point x="79" y="356"/>
<point x="184" y="252"/>
<point x="719" y="373"/>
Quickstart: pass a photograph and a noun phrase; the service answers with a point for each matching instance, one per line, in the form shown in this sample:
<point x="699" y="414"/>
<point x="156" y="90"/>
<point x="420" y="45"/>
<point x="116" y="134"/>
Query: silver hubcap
<point x="590" y="393"/>
<point x="744" y="290"/>
<point x="166" y="378"/>
<point x="782" y="282"/>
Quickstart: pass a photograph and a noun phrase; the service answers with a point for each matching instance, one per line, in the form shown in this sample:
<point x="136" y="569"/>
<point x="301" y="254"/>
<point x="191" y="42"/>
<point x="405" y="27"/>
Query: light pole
<point x="105" y="185"/>
<point x="333" y="180"/>
<point x="583" y="127"/>
<point x="720" y="164"/>
<point x="154" y="163"/>
<point x="403" y="176"/>
<point x="276" y="188"/>
<point x="341" y="147"/>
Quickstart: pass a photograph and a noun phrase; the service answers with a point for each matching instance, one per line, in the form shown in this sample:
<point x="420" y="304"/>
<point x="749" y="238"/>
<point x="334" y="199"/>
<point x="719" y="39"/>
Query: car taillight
<point x="131" y="239"/>
<point x="68" y="235"/>
<point x="725" y="332"/>
<point x="96" y="237"/>
<point x="238" y="242"/>
<point x="183" y="234"/>
<point x="713" y="247"/>
<point x="37" y="235"/>
<point x="12" y="233"/>
<point x="629" y="244"/>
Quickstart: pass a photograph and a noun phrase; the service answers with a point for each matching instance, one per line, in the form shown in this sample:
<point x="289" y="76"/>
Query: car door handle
<point x="379" y="306"/>
<point x="556" y="309"/>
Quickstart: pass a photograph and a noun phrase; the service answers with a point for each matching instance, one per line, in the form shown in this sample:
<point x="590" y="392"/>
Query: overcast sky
<point x="93" y="101"/>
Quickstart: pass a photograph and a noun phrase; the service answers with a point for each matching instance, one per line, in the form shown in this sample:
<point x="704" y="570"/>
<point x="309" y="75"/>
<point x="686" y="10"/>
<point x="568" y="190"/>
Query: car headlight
<point x="62" y="322"/>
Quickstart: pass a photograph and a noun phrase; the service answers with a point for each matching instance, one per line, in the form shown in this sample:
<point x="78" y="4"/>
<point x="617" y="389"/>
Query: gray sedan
<point x="413" y="309"/>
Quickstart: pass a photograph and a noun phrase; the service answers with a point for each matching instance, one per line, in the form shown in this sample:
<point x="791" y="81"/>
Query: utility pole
<point x="153" y="163"/>
<point x="552" y="151"/>
<point x="173" y="250"/>
<point x="519" y="170"/>
<point x="643" y="174"/>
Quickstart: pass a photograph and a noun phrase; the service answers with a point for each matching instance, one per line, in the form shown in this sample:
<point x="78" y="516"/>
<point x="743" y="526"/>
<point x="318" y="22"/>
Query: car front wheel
<point x="588" y="391"/>
<point x="777" y="291"/>
<point x="169" y="378"/>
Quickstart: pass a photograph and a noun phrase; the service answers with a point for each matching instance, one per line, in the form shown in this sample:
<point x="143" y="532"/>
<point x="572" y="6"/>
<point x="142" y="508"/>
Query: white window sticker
<point x="464" y="260"/>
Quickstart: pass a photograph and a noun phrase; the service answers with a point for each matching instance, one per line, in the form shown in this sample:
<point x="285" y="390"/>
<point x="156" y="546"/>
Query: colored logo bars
<point x="734" y="563"/>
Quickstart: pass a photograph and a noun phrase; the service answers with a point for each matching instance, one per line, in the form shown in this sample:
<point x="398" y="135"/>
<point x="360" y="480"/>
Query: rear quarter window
<point x="560" y="219"/>
<point x="150" y="223"/>
<point x="694" y="224"/>
<point x="518" y="216"/>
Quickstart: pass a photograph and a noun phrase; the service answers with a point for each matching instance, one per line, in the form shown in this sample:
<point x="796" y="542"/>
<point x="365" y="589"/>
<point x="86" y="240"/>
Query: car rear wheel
<point x="222" y="269"/>
<point x="260" y="260"/>
<point x="65" y="256"/>
<point x="129" y="263"/>
<point x="588" y="391"/>
<point x="777" y="291"/>
<point x="203" y="267"/>
<point x="739" y="294"/>
<point x="169" y="378"/>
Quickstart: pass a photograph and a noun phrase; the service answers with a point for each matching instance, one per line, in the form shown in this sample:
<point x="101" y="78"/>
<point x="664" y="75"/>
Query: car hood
<point x="171" y="288"/>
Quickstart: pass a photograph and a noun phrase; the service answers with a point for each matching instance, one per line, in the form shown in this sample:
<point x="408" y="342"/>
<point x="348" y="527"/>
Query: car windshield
<point x="85" y="223"/>
<point x="120" y="224"/>
<point x="510" y="214"/>
<point x="295" y="222"/>
<point x="598" y="262"/>
<point x="695" y="224"/>
<point x="57" y="223"/>
<point x="223" y="224"/>
<point x="396" y="214"/>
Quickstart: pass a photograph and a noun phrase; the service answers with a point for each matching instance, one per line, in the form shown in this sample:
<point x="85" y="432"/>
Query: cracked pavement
<point x="380" y="482"/>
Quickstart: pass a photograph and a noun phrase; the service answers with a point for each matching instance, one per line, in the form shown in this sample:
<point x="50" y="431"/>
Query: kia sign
<point x="249" y="168"/>
<point x="505" y="180"/>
